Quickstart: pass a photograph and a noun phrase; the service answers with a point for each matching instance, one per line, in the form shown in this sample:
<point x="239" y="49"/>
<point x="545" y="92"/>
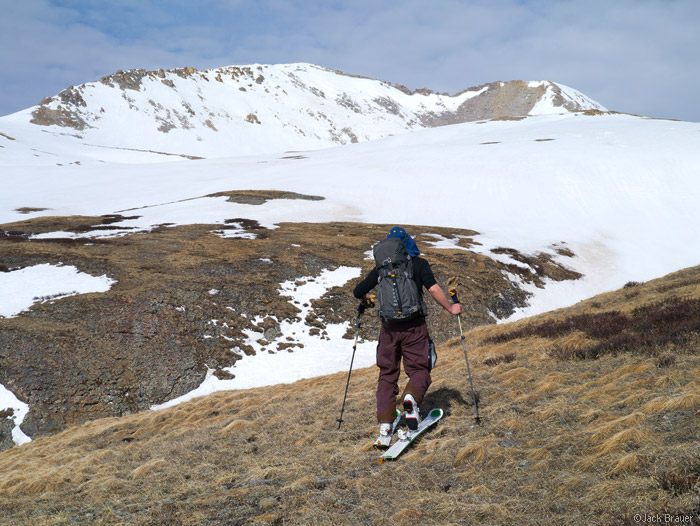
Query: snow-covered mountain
<point x="251" y="110"/>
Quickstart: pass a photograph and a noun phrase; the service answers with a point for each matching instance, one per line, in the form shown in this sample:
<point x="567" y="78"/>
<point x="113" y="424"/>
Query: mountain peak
<point x="260" y="108"/>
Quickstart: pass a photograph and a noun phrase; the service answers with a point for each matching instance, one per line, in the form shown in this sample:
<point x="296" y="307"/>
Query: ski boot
<point x="412" y="412"/>
<point x="385" y="434"/>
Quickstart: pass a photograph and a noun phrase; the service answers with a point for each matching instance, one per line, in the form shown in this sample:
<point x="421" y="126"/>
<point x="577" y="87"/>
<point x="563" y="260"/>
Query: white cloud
<point x="629" y="54"/>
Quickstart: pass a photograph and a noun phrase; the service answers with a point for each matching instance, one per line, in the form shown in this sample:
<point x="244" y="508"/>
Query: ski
<point x="378" y="444"/>
<point x="394" y="451"/>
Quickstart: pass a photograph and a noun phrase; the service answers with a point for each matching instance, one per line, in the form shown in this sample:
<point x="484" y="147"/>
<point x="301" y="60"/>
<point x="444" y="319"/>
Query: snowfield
<point x="619" y="191"/>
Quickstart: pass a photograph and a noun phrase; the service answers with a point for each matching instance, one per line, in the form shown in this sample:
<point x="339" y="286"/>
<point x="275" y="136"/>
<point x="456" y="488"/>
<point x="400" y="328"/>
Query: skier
<point x="402" y="337"/>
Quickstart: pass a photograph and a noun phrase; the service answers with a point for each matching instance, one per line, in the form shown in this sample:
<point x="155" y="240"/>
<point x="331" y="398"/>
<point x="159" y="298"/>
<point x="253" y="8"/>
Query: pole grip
<point x="453" y="294"/>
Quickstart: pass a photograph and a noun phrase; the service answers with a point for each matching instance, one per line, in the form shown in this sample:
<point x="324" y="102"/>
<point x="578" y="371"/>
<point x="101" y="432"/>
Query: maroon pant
<point x="410" y="341"/>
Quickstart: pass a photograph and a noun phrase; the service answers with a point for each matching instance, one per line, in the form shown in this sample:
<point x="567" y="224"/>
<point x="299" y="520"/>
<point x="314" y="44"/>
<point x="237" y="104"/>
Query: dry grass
<point x="562" y="442"/>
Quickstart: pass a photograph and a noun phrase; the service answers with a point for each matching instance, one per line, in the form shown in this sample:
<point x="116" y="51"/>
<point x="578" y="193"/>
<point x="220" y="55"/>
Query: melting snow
<point x="10" y="401"/>
<point x="320" y="354"/>
<point x="41" y="283"/>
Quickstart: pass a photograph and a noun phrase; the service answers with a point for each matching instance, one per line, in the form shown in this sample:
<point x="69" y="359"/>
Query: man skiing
<point x="401" y="275"/>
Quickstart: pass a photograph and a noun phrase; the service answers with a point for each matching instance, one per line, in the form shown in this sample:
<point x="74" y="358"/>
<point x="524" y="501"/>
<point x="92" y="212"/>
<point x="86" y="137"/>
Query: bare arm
<point x="439" y="296"/>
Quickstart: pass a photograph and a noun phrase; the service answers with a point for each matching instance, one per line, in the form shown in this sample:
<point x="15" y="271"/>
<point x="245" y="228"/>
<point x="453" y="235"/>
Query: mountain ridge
<point x="241" y="110"/>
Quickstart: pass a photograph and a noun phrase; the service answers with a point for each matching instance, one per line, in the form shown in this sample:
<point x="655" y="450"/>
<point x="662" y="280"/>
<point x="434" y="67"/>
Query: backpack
<point x="399" y="298"/>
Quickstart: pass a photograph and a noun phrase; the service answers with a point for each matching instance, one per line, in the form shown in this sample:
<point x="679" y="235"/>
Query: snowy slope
<point x="620" y="190"/>
<point x="249" y="110"/>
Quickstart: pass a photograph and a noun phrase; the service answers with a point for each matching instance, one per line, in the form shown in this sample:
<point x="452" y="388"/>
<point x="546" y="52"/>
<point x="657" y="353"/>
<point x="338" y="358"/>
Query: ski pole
<point x="455" y="299"/>
<point x="360" y="310"/>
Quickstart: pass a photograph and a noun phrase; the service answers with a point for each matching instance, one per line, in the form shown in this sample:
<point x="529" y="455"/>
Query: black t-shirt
<point x="422" y="275"/>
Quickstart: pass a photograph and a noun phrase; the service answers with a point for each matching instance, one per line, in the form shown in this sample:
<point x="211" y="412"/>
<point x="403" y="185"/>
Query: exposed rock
<point x="72" y="96"/>
<point x="259" y="197"/>
<point x="350" y="134"/>
<point x="388" y="104"/>
<point x="348" y="102"/>
<point x="183" y="72"/>
<point x="131" y="79"/>
<point x="224" y="375"/>
<point x="165" y="126"/>
<point x="43" y="115"/>
<point x="6" y="425"/>
<point x="252" y="118"/>
<point x="500" y="99"/>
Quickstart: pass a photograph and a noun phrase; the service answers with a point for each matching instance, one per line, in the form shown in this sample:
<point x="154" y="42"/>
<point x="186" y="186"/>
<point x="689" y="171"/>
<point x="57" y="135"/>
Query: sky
<point x="635" y="56"/>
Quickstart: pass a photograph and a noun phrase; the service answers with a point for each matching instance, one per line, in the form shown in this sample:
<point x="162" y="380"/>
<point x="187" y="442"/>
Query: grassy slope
<point x="563" y="441"/>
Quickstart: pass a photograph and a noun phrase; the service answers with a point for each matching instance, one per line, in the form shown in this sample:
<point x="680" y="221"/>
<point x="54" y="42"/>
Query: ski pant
<point x="407" y="340"/>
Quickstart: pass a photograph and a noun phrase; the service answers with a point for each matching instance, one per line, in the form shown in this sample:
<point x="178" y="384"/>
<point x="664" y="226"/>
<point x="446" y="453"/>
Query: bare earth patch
<point x="29" y="210"/>
<point x="259" y="197"/>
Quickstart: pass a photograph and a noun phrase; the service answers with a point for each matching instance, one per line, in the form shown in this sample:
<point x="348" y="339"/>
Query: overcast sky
<point x="636" y="56"/>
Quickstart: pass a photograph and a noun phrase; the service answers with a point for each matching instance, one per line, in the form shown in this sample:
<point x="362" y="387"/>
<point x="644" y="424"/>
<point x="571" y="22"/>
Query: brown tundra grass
<point x="566" y="439"/>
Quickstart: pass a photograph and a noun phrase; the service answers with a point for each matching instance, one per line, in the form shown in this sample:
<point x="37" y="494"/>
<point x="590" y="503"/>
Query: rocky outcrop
<point x="45" y="115"/>
<point x="6" y="425"/>
<point x="497" y="100"/>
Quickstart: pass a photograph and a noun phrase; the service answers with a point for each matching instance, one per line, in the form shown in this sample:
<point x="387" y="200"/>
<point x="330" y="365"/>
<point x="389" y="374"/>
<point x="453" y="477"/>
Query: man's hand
<point x="368" y="300"/>
<point x="439" y="296"/>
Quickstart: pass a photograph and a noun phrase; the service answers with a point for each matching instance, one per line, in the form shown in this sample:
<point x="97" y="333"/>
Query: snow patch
<point x="444" y="243"/>
<point x="41" y="283"/>
<point x="9" y="401"/>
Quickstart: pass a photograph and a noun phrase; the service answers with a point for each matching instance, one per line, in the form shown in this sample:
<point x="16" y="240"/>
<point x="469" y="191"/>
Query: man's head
<point x="408" y="241"/>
